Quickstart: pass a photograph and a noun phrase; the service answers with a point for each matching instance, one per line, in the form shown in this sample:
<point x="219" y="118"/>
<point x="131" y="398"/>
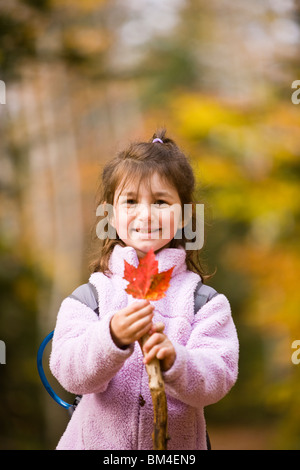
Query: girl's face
<point x="149" y="217"/>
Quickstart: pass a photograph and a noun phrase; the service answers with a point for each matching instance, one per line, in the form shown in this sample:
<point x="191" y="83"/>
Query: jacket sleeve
<point x="206" y="368"/>
<point x="84" y="357"/>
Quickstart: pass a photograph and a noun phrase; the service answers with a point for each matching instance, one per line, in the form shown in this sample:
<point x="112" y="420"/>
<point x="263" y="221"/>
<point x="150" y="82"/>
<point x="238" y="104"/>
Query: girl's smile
<point x="145" y="233"/>
<point x="147" y="218"/>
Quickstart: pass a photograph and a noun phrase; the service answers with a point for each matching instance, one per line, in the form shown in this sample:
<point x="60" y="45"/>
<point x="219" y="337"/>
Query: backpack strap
<point x="87" y="294"/>
<point x="202" y="295"/>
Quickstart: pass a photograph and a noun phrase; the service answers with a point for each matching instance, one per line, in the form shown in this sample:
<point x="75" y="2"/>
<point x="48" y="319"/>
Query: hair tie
<point x="157" y="140"/>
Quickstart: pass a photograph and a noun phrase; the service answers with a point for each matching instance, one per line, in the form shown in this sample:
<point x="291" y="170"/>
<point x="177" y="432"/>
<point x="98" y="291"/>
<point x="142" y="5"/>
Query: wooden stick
<point x="159" y="401"/>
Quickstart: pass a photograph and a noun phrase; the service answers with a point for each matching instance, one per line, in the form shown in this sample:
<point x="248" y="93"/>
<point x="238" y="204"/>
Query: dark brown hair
<point x="137" y="163"/>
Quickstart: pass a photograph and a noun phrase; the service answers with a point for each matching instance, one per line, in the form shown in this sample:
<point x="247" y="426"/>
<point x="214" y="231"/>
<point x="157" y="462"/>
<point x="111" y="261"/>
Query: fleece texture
<point x="116" y="411"/>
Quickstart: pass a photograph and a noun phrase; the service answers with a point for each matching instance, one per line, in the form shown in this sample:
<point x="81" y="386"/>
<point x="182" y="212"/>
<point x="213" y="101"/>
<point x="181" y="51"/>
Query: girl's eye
<point x="130" y="202"/>
<point x="161" y="203"/>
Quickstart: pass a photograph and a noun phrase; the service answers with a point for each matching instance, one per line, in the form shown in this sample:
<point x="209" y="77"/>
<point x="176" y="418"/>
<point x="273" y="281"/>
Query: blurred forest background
<point x="84" y="77"/>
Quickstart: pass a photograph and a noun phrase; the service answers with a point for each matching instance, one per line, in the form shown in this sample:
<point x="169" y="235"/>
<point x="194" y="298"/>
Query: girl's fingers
<point x="162" y="353"/>
<point x="159" y="351"/>
<point x="129" y="324"/>
<point x="136" y="307"/>
<point x="151" y="354"/>
<point x="154" y="339"/>
<point x="157" y="328"/>
<point x="136" y="316"/>
<point x="140" y="327"/>
<point x="134" y="320"/>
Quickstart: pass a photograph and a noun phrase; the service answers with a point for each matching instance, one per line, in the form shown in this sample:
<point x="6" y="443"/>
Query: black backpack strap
<point x="202" y="295"/>
<point x="88" y="295"/>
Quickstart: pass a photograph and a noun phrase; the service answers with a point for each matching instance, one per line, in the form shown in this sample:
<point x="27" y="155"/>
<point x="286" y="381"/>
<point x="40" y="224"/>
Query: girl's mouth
<point x="145" y="232"/>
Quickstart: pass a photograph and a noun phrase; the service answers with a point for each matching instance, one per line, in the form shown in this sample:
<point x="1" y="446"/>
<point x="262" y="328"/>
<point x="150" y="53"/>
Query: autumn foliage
<point x="145" y="282"/>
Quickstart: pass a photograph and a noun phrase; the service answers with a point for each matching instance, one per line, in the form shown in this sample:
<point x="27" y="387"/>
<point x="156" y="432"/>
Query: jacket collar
<point x="166" y="258"/>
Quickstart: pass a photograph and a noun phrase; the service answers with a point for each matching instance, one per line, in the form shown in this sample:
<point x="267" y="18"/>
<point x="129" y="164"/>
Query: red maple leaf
<point x="145" y="282"/>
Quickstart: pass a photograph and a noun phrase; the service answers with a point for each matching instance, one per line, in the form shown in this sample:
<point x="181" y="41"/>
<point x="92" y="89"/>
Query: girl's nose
<point x="144" y="212"/>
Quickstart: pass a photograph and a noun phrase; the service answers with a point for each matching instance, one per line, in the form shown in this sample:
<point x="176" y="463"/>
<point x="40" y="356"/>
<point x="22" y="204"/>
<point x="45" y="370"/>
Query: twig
<point x="159" y="400"/>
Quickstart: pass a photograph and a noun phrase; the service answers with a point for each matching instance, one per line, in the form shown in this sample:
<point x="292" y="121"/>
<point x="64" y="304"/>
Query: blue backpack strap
<point x="87" y="294"/>
<point x="202" y="295"/>
<point x="42" y="375"/>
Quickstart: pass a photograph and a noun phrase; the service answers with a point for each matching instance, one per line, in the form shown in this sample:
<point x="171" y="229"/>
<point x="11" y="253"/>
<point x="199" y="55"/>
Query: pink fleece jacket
<point x="116" y="411"/>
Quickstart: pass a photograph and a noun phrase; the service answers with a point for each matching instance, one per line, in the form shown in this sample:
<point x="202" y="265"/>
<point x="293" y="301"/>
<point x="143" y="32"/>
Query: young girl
<point x="99" y="357"/>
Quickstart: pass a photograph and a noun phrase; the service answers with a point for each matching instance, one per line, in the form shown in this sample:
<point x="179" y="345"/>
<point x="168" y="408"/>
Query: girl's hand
<point x="131" y="323"/>
<point x="158" y="345"/>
